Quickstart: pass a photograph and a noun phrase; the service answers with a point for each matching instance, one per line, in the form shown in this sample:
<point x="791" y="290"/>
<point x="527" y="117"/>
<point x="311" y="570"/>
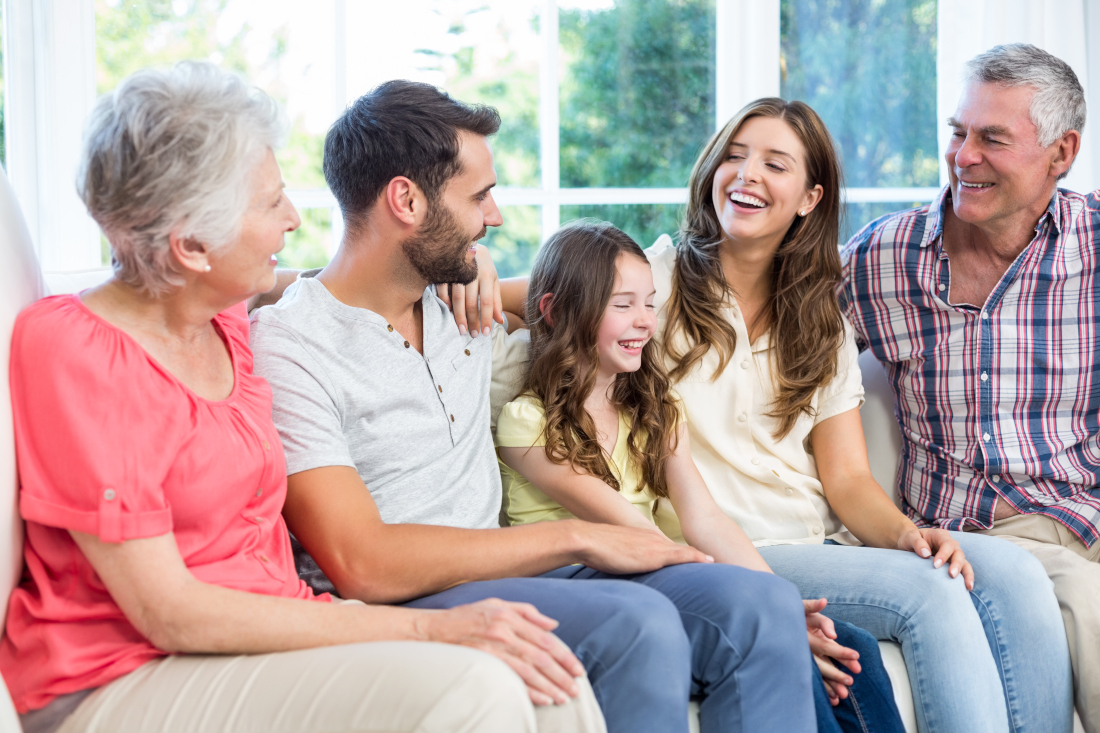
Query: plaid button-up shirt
<point x="1002" y="399"/>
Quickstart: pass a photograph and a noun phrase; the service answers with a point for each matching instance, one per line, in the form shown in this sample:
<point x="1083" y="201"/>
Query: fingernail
<point x="925" y="552"/>
<point x="462" y="330"/>
<point x="710" y="559"/>
<point x="486" y="330"/>
<point x="937" y="563"/>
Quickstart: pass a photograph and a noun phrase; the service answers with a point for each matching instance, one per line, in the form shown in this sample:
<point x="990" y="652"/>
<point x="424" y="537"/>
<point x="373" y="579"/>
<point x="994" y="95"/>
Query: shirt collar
<point x="937" y="211"/>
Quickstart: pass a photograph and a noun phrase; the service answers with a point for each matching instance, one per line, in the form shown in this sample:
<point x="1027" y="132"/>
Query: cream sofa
<point x="21" y="283"/>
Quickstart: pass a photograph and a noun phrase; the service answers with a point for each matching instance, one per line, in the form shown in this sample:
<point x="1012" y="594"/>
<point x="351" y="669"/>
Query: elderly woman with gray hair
<point x="160" y="590"/>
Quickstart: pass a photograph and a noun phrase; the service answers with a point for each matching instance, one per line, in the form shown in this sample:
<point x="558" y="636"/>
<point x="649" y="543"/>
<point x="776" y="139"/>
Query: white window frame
<point x="49" y="64"/>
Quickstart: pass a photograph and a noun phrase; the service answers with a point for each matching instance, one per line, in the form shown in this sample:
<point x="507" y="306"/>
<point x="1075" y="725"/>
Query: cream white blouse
<point x="769" y="487"/>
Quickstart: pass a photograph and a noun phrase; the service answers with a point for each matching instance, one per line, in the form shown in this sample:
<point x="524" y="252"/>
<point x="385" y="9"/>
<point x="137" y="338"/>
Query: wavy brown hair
<point x="577" y="266"/>
<point x="803" y="315"/>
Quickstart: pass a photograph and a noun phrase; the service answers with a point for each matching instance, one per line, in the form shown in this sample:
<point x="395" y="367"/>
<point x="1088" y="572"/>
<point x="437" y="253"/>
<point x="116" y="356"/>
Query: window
<point x="605" y="103"/>
<point x="868" y="67"/>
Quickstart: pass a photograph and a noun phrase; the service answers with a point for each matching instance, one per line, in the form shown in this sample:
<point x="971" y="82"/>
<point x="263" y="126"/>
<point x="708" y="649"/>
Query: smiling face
<point x="997" y="167"/>
<point x="247" y="266"/>
<point x="628" y="321"/>
<point x="442" y="249"/>
<point x="761" y="186"/>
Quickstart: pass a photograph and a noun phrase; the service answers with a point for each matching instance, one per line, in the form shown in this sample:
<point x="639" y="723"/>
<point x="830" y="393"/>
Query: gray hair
<point x="172" y="151"/>
<point x="1059" y="102"/>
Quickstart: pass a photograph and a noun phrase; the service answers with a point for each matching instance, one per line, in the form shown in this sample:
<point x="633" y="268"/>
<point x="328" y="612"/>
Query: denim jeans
<point x="734" y="637"/>
<point x="870" y="705"/>
<point x="966" y="653"/>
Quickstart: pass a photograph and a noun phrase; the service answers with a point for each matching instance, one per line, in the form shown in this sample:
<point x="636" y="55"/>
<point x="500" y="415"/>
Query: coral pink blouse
<point x="110" y="443"/>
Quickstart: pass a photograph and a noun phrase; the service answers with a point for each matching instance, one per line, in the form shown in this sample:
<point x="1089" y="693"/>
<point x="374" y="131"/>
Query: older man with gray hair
<point x="984" y="306"/>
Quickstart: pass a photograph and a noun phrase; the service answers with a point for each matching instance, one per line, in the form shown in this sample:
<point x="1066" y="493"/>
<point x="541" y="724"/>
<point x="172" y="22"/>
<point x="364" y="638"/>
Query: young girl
<point x="597" y="434"/>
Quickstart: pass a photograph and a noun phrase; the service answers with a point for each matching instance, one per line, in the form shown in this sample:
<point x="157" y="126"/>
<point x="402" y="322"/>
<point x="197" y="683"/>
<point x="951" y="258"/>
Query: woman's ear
<point x="190" y="253"/>
<point x="544" y="308"/>
<point x="810" y="200"/>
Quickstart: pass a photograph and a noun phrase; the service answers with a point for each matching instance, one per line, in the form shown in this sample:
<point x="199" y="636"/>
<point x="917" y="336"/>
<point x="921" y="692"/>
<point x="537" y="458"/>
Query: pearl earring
<point x="206" y="269"/>
<point x="801" y="213"/>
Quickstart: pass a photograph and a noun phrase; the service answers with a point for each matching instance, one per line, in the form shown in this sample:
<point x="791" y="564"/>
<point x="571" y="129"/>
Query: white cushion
<point x="58" y="283"/>
<point x="20" y="284"/>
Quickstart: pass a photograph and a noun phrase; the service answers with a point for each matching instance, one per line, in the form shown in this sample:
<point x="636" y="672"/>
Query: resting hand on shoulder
<point x="939" y="545"/>
<point x="481" y="297"/>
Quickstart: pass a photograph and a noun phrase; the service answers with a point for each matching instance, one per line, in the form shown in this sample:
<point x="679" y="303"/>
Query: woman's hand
<point x="517" y="634"/>
<point x="925" y="542"/>
<point x="481" y="297"/>
<point x="822" y="635"/>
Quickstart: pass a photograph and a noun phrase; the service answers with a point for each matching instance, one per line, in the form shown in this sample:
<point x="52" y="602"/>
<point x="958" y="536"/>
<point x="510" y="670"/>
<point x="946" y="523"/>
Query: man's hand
<point x="481" y="297"/>
<point x="822" y="635"/>
<point x="927" y="541"/>
<point x="517" y="634"/>
<point x="626" y="550"/>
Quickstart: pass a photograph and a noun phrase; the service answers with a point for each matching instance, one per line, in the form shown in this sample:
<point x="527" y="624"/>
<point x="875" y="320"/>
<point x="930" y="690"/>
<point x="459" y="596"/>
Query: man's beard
<point x="438" y="251"/>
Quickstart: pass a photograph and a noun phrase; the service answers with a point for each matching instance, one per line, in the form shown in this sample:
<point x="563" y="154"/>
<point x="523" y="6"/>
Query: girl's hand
<point x="480" y="297"/>
<point x="927" y="541"/>
<point x="822" y="635"/>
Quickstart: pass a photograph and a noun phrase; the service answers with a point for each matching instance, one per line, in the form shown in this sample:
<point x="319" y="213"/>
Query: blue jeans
<point x="870" y="705"/>
<point x="734" y="637"/>
<point x="966" y="653"/>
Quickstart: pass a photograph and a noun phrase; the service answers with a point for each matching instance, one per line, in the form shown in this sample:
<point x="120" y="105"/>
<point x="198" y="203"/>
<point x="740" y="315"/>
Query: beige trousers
<point x="380" y="687"/>
<point x="1075" y="570"/>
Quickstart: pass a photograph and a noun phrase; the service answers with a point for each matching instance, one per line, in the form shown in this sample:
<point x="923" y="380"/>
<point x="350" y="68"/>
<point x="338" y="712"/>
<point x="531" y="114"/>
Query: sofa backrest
<point x="20" y="285"/>
<point x="880" y="426"/>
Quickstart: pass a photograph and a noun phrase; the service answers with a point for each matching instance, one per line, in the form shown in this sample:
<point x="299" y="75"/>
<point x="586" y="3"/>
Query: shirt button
<point x="942" y="287"/>
<point x="406" y="344"/>
<point x="745" y="364"/>
<point x="985" y="377"/>
<point x="742" y="417"/>
<point x="817" y="530"/>
<point x="789" y="491"/>
<point x="756" y="461"/>
<point x="440" y="387"/>
<point x="452" y="418"/>
<point x="267" y="446"/>
<point x="985" y="316"/>
<point x="109" y="494"/>
<point x="259" y="492"/>
<point x="258" y="519"/>
<point x="996" y="479"/>
<point x="263" y="558"/>
<point x="986" y="437"/>
<point x="466" y="352"/>
<point x="389" y="327"/>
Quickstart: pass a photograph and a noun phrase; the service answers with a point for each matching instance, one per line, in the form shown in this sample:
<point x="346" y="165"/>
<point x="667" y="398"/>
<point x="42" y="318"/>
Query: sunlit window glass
<point x="869" y="69"/>
<point x="515" y="244"/>
<point x="483" y="51"/>
<point x="643" y="222"/>
<point x="637" y="90"/>
<point x="316" y="57"/>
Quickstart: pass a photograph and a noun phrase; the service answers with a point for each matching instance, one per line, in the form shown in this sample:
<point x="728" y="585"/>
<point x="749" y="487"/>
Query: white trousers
<point x="379" y="687"/>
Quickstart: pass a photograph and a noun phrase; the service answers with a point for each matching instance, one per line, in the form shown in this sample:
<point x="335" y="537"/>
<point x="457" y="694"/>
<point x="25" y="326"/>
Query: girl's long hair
<point x="577" y="265"/>
<point x="803" y="315"/>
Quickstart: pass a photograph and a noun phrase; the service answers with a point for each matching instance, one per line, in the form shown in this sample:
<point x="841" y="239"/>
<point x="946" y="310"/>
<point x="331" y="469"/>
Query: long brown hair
<point x="803" y="314"/>
<point x="577" y="265"/>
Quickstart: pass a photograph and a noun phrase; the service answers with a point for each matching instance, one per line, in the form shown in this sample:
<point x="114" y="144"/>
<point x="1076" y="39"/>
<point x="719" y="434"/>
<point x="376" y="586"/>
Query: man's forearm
<point x="405" y="561"/>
